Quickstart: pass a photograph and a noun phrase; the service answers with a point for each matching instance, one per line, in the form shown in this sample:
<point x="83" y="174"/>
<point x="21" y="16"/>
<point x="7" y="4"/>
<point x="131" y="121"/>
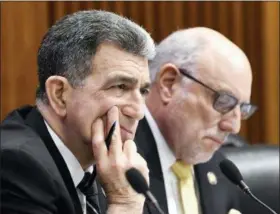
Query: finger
<point x="98" y="144"/>
<point x="130" y="149"/>
<point x="111" y="116"/>
<point x="116" y="143"/>
<point x="104" y="120"/>
<point x="143" y="167"/>
<point x="134" y="159"/>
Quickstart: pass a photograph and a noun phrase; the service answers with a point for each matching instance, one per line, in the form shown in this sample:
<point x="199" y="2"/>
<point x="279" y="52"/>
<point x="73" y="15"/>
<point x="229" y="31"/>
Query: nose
<point x="231" y="122"/>
<point x="135" y="108"/>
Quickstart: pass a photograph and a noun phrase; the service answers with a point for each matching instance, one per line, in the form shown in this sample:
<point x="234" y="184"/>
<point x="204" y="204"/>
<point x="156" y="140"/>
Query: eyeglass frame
<point x="218" y="94"/>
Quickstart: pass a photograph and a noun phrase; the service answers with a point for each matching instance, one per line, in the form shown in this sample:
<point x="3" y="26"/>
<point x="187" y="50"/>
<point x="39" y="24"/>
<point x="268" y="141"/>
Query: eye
<point x="144" y="91"/>
<point x="122" y="86"/>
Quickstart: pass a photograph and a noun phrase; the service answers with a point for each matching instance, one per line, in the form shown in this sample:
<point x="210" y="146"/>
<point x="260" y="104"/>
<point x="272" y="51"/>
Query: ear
<point x="167" y="78"/>
<point x="58" y="89"/>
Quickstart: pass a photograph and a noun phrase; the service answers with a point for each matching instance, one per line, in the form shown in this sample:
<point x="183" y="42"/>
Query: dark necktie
<point x="88" y="187"/>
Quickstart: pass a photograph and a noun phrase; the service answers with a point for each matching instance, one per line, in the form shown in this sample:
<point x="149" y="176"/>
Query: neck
<point x="159" y="114"/>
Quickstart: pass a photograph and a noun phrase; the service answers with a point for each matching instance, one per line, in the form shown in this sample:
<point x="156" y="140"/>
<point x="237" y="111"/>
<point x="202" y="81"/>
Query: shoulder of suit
<point x="21" y="142"/>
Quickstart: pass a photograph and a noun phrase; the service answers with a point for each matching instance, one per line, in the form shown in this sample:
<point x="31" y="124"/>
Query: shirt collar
<point x="73" y="165"/>
<point x="167" y="157"/>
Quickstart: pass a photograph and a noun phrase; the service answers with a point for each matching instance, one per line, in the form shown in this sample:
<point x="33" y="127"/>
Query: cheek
<point x="204" y="112"/>
<point x="192" y="115"/>
<point x="191" y="112"/>
<point x="183" y="119"/>
<point x="82" y="112"/>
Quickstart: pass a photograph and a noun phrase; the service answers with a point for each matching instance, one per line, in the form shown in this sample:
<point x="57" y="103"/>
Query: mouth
<point x="216" y="140"/>
<point x="126" y="130"/>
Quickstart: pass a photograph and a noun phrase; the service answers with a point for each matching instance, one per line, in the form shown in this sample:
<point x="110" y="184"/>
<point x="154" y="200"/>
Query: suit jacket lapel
<point x="147" y="148"/>
<point x="206" y="190"/>
<point x="35" y="120"/>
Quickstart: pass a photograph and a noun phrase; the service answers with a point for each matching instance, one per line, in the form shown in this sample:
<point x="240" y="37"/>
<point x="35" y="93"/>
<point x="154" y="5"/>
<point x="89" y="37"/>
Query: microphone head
<point x="137" y="180"/>
<point x="229" y="169"/>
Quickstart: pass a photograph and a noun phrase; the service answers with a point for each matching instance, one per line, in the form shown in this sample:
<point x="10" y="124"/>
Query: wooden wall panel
<point x="253" y="26"/>
<point x="22" y="26"/>
<point x="270" y="82"/>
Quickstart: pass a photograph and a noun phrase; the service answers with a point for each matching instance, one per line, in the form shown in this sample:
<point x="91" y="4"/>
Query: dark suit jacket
<point x="34" y="176"/>
<point x="214" y="199"/>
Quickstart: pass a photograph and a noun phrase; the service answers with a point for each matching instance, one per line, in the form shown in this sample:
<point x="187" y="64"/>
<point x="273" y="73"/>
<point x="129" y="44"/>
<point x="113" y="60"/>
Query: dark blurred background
<point x="253" y="26"/>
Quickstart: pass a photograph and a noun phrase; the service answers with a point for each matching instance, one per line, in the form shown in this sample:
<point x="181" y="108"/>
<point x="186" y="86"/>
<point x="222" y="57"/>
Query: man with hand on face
<point x="93" y="72"/>
<point x="201" y="88"/>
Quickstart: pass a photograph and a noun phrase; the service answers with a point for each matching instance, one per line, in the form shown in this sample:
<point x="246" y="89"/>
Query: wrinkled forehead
<point x="227" y="72"/>
<point x="110" y="59"/>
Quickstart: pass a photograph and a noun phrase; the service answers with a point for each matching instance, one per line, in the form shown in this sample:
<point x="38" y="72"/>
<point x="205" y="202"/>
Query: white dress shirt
<point x="167" y="159"/>
<point x="73" y="165"/>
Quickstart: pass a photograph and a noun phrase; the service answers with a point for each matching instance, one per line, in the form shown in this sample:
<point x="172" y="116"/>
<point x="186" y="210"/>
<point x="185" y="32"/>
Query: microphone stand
<point x="247" y="190"/>
<point x="154" y="201"/>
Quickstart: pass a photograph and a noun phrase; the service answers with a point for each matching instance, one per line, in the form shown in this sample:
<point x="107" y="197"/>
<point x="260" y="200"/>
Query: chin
<point x="201" y="157"/>
<point x="206" y="158"/>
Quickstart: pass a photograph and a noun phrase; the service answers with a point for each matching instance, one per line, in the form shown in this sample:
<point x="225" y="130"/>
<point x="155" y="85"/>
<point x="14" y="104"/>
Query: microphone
<point x="229" y="169"/>
<point x="139" y="184"/>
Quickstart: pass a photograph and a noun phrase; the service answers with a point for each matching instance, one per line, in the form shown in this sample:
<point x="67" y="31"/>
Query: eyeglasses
<point x="224" y="102"/>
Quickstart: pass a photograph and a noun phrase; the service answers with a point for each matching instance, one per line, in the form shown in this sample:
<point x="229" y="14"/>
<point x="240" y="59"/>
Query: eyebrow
<point x="146" y="85"/>
<point x="122" y="78"/>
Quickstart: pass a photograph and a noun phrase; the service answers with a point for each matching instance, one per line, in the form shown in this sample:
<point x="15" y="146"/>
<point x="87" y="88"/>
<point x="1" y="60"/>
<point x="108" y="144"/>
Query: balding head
<point x="182" y="48"/>
<point x="184" y="103"/>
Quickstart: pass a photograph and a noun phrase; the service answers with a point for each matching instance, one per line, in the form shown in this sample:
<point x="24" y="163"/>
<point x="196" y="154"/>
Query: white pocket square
<point x="234" y="211"/>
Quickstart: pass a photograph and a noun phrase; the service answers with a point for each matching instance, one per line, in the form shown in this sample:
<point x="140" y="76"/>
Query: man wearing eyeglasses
<point x="201" y="88"/>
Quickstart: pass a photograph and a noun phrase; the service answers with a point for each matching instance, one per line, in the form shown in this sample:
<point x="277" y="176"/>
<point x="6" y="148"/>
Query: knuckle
<point x="117" y="164"/>
<point x="97" y="142"/>
<point x="141" y="159"/>
<point x="130" y="143"/>
<point x="133" y="144"/>
<point x="101" y="167"/>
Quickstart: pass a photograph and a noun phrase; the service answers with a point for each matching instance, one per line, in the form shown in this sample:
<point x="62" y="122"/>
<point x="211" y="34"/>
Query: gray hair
<point x="68" y="47"/>
<point x="180" y="48"/>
